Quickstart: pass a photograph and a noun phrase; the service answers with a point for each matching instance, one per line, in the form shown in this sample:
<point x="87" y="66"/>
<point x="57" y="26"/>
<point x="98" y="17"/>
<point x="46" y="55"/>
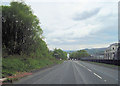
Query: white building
<point x="111" y="52"/>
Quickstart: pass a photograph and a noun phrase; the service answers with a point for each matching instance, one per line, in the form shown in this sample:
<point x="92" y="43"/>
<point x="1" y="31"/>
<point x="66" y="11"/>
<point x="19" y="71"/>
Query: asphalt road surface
<point x="73" y="72"/>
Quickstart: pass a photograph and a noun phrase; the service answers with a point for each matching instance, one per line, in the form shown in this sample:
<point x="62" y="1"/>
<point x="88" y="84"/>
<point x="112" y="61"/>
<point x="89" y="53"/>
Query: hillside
<point x="94" y="51"/>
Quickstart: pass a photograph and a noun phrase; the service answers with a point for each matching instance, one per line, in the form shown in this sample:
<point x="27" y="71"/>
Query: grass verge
<point x="15" y="65"/>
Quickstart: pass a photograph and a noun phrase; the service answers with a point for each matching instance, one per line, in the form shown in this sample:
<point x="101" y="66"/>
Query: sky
<point x="76" y="24"/>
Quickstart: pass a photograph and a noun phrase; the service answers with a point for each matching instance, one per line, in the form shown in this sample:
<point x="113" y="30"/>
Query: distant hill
<point x="95" y="51"/>
<point x="69" y="51"/>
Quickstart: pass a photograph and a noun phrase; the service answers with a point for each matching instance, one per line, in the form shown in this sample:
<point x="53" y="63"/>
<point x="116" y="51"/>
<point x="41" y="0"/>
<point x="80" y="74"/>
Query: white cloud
<point x="80" y="46"/>
<point x="65" y="0"/>
<point x="86" y="14"/>
<point x="60" y="30"/>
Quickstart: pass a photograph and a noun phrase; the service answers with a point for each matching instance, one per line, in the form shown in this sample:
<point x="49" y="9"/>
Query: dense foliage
<point x="59" y="54"/>
<point x="22" y="42"/>
<point x="79" y="54"/>
<point x="21" y="32"/>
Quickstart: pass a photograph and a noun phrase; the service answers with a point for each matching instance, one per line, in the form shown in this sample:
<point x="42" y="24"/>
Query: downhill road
<point x="73" y="72"/>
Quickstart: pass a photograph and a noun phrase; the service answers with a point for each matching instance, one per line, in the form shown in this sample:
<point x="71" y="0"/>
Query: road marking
<point x="84" y="67"/>
<point x="89" y="70"/>
<point x="105" y="80"/>
<point x="97" y="75"/>
<point x="81" y="64"/>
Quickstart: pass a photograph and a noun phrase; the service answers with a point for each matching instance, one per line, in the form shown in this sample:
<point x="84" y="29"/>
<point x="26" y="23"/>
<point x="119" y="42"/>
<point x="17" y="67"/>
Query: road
<point x="73" y="72"/>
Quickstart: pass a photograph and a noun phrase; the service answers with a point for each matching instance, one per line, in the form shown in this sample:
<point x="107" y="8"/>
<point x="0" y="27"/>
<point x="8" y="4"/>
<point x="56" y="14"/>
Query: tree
<point x="20" y="28"/>
<point x="79" y="54"/>
<point x="58" y="53"/>
<point x="21" y="32"/>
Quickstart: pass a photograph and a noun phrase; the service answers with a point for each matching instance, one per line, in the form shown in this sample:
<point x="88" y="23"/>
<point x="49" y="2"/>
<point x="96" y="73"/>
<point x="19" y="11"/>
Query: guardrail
<point x="106" y="61"/>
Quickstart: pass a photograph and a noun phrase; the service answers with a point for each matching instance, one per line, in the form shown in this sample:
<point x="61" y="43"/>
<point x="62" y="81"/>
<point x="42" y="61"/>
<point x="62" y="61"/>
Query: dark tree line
<point x="59" y="54"/>
<point x="79" y="54"/>
<point x="21" y="32"/>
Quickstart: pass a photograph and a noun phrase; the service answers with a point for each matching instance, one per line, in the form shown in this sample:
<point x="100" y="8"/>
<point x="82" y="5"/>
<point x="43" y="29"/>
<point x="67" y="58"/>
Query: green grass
<point x="14" y="64"/>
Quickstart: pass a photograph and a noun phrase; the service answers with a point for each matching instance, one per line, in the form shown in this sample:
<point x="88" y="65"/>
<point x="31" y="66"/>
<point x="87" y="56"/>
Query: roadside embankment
<point x="14" y="68"/>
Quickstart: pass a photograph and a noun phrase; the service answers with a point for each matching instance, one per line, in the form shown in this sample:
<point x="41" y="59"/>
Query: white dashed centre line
<point x="89" y="70"/>
<point x="105" y="80"/>
<point x="97" y="75"/>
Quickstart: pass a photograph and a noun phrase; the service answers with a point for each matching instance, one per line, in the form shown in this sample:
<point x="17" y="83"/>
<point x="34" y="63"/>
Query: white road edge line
<point x="97" y="75"/>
